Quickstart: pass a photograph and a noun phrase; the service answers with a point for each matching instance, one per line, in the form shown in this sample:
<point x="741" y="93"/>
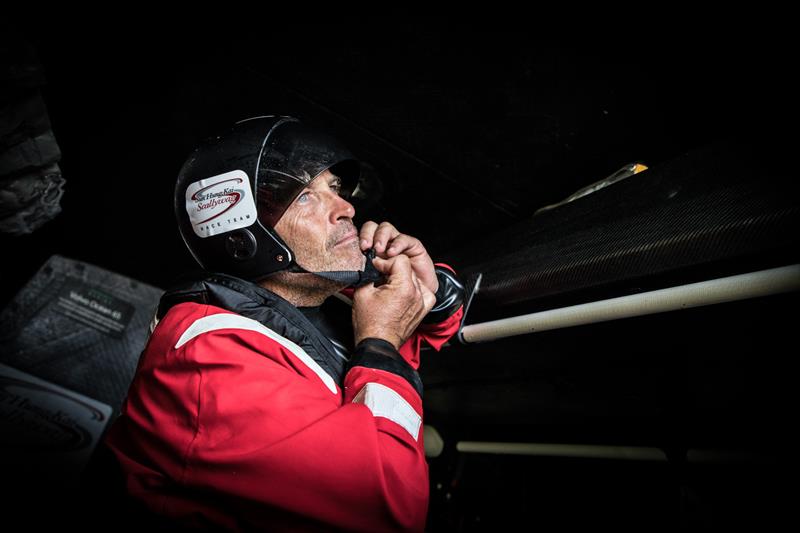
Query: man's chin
<point x="349" y="259"/>
<point x="350" y="265"/>
<point x="360" y="260"/>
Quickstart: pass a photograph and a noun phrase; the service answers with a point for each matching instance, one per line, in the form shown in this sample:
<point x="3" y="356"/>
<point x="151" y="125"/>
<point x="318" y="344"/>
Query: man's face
<point x="318" y="227"/>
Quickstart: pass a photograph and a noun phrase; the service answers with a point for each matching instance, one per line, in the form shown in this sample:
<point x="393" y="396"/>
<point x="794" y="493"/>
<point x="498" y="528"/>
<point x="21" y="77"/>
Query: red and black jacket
<point x="244" y="415"/>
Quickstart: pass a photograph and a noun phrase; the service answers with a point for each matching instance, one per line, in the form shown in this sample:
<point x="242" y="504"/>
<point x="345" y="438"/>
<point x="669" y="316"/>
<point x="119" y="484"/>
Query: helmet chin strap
<point x="351" y="278"/>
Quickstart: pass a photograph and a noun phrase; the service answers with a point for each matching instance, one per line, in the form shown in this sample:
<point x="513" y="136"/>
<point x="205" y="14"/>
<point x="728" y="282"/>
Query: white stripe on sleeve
<point x="386" y="403"/>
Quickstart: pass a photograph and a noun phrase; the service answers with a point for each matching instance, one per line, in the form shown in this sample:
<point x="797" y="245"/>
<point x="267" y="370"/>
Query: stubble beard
<point x="309" y="289"/>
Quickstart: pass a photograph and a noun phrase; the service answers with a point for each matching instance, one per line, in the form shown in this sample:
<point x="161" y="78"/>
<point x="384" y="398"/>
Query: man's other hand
<point x="389" y="243"/>
<point x="393" y="310"/>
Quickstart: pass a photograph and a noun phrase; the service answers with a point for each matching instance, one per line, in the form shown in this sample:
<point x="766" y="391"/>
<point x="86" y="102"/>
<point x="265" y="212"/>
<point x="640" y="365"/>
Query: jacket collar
<point x="255" y="302"/>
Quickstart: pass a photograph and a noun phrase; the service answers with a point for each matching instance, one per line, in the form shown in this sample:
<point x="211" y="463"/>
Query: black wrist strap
<point x="449" y="297"/>
<point x="381" y="355"/>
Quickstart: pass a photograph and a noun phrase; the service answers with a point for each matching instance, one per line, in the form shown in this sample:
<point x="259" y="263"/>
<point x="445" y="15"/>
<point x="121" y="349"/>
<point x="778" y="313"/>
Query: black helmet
<point x="235" y="187"/>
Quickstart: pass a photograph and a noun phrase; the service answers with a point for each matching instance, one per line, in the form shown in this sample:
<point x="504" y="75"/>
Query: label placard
<point x="220" y="204"/>
<point x="94" y="307"/>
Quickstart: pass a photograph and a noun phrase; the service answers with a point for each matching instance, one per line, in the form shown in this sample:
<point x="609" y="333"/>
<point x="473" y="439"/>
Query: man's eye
<point x="303" y="198"/>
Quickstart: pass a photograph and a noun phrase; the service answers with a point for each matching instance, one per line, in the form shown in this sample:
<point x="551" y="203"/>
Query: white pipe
<point x="715" y="291"/>
<point x="596" y="451"/>
<point x="633" y="453"/>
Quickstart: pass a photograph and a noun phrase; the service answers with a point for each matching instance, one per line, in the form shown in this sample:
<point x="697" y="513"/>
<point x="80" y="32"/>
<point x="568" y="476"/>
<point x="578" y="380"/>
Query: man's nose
<point x="341" y="208"/>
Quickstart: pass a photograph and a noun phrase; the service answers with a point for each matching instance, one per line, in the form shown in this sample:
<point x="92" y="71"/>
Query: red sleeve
<point x="239" y="422"/>
<point x="434" y="335"/>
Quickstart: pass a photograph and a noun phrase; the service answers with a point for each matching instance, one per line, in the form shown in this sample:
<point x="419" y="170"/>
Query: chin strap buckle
<point x="370" y="274"/>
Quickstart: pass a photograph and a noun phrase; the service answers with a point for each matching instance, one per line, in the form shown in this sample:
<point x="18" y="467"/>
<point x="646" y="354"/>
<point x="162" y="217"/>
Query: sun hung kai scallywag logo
<point x="220" y="204"/>
<point x="208" y="198"/>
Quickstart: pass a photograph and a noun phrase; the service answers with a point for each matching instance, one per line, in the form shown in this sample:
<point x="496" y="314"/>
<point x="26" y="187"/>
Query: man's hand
<point x="388" y="243"/>
<point x="393" y="310"/>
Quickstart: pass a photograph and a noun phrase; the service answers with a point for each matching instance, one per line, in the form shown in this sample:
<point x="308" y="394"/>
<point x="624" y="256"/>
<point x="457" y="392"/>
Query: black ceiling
<point x="469" y="129"/>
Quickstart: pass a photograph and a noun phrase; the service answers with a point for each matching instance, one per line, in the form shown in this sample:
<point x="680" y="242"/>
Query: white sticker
<point x="220" y="204"/>
<point x="46" y="428"/>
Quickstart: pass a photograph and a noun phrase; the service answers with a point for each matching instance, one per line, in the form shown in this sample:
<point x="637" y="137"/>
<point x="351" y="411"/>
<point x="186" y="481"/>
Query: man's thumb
<point x="382" y="265"/>
<point x="427" y="297"/>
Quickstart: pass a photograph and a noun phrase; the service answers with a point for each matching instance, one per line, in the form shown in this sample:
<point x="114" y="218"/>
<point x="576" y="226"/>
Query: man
<point x="253" y="407"/>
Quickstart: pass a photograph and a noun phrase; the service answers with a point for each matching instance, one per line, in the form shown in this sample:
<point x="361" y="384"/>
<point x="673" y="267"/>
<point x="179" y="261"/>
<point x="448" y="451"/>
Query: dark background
<point x="471" y="128"/>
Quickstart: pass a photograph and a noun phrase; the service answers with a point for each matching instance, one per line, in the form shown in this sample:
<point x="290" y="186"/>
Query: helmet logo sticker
<point x="220" y="204"/>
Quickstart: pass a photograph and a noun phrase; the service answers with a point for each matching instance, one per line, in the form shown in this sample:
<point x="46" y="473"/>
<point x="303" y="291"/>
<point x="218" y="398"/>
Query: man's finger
<point x="405" y="244"/>
<point x="383" y="235"/>
<point x="415" y="280"/>
<point x="394" y="266"/>
<point x="367" y="234"/>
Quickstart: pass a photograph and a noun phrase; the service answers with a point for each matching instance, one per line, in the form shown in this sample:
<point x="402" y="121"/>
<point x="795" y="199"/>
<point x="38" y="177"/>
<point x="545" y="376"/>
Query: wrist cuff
<point x="381" y="355"/>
